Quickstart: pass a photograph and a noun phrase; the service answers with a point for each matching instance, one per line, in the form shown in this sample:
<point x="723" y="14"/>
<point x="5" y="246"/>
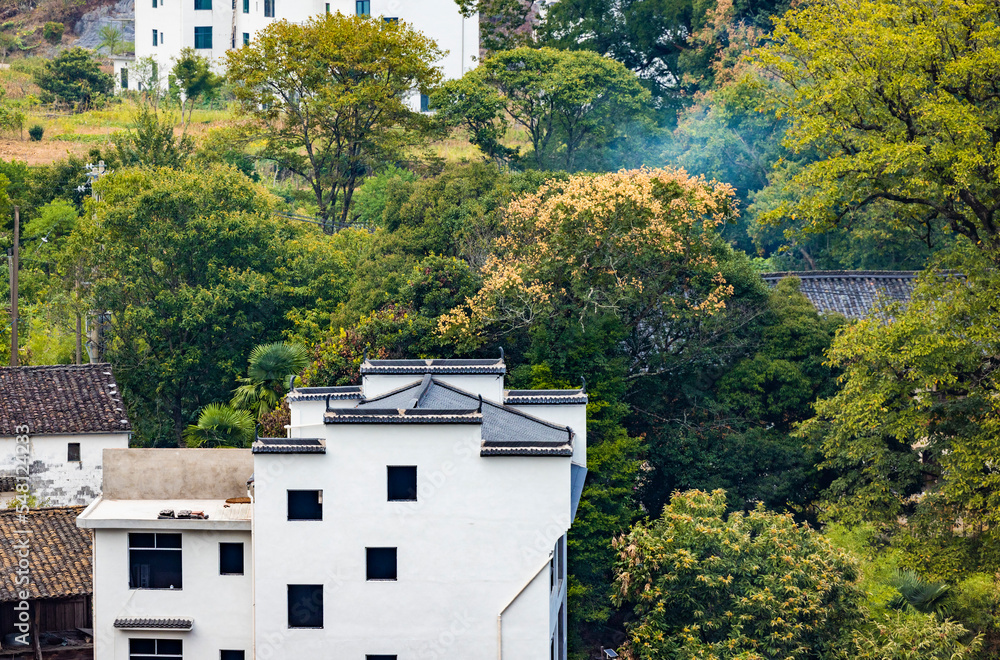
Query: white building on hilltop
<point x="420" y="515"/>
<point x="211" y="27"/>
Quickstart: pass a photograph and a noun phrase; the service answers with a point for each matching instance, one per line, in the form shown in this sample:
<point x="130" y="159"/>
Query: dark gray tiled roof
<point x="506" y="431"/>
<point x="548" y="397"/>
<point x="418" y="367"/>
<point x="402" y="416"/>
<point x="289" y="446"/>
<point x="157" y="624"/>
<point x="61" y="399"/>
<point x="854" y="293"/>
<point x="346" y="392"/>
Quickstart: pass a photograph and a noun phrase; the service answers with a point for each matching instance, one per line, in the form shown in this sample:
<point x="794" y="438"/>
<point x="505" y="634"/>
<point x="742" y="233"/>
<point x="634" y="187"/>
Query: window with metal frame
<point x="363" y="7"/>
<point x="202" y="4"/>
<point x="203" y="37"/>
<point x="149" y="649"/>
<point x="246" y="6"/>
<point x="268" y="8"/>
<point x="156" y="38"/>
<point x="154" y="561"/>
<point x="246" y="38"/>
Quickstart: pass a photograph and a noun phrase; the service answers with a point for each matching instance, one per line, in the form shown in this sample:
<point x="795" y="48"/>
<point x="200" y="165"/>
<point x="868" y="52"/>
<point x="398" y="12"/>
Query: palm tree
<point x="270" y="367"/>
<point x="220" y="426"/>
<point x="913" y="592"/>
<point x="112" y="39"/>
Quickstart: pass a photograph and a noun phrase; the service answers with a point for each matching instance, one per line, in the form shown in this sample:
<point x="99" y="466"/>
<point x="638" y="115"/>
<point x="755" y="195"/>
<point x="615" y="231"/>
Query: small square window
<point x="230" y="559"/>
<point x="381" y="563"/>
<point x="305" y="606"/>
<point x="203" y="37"/>
<point x="202" y="4"/>
<point x="402" y="483"/>
<point x="363" y="7"/>
<point x="232" y="655"/>
<point x="305" y="505"/>
<point x="155" y="561"/>
<point x="148" y="649"/>
<point x="73" y="452"/>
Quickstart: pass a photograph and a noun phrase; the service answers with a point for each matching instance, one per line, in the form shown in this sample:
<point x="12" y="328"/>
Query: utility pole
<point x="14" y="258"/>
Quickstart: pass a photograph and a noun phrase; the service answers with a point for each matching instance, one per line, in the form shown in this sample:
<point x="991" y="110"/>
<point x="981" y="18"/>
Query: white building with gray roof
<point x="422" y="514"/>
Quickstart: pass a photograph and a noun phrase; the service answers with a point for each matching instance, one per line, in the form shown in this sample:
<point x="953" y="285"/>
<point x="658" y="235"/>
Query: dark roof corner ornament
<point x="584" y="388"/>
<point x="291" y="382"/>
<point x="328" y="402"/>
<point x="501" y="354"/>
<point x="480" y="408"/>
<point x="256" y="432"/>
<point x="364" y="358"/>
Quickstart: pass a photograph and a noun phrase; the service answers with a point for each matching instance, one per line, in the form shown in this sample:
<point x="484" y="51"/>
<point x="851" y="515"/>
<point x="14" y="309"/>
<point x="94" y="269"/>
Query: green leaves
<point x="898" y="99"/>
<point x="74" y="77"/>
<point x="220" y="426"/>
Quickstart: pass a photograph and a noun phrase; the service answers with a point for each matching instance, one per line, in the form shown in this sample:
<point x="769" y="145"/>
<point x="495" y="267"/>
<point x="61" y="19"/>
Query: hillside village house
<point x="164" y="27"/>
<point x="422" y="514"/>
<point x="72" y="413"/>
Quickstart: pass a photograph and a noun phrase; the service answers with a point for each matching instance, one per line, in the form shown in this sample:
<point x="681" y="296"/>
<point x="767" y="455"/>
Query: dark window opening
<point x="141" y="649"/>
<point x="232" y="655"/>
<point x="231" y="559"/>
<point x="402" y="483"/>
<point x="246" y="38"/>
<point x="156" y="38"/>
<point x="154" y="4"/>
<point x="381" y="563"/>
<point x="305" y="505"/>
<point x="390" y="19"/>
<point x="363" y="7"/>
<point x="305" y="606"/>
<point x="380" y="657"/>
<point x="154" y="561"/>
<point x="124" y="78"/>
<point x="203" y="37"/>
<point x="425" y="103"/>
<point x="73" y="451"/>
<point x="269" y="8"/>
<point x="328" y="7"/>
<point x="202" y="4"/>
<point x="246" y="6"/>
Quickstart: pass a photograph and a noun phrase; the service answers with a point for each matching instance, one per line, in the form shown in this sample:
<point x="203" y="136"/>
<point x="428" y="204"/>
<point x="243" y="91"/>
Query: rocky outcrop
<point x="120" y="15"/>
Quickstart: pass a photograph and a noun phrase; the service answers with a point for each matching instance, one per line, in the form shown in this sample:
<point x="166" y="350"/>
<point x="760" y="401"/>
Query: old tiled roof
<point x="59" y="553"/>
<point x="418" y="367"/>
<point x="61" y="399"/>
<point x="402" y="416"/>
<point x="854" y="293"/>
<point x="547" y="397"/>
<point x="346" y="392"/>
<point x="506" y="431"/>
<point x="149" y="623"/>
<point x="289" y="446"/>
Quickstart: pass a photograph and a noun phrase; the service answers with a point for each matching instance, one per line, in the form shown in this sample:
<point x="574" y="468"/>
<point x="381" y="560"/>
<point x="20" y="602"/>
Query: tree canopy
<point x="328" y="97"/>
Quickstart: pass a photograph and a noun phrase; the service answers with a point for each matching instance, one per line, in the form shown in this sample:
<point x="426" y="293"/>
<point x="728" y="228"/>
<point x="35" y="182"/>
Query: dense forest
<point x="764" y="481"/>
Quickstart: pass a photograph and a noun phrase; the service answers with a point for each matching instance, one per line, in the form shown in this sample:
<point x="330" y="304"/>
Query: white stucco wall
<point x="57" y="480"/>
<point x="489" y="385"/>
<point x="221" y="605"/>
<point x="573" y="416"/>
<point x="481" y="528"/>
<point x="176" y="19"/>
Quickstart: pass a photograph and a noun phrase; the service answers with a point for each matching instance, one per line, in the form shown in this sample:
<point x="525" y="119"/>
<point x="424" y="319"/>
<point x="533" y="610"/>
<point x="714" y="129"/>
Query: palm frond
<point x="220" y="425"/>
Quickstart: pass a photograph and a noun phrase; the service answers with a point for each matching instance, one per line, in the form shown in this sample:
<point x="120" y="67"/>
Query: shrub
<point x="74" y="78"/>
<point x="53" y="32"/>
<point x="36" y="132"/>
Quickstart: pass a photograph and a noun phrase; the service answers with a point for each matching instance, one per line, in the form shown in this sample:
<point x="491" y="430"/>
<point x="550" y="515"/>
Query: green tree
<point x="271" y="366"/>
<point x="746" y="585"/>
<point x="73" y="77"/>
<point x="112" y="40"/>
<point x="53" y="32"/>
<point x="150" y="141"/>
<point x="912" y="433"/>
<point x="563" y="99"/>
<point x="327" y="98"/>
<point x="193" y="75"/>
<point x="186" y="263"/>
<point x="896" y="98"/>
<point x="220" y="426"/>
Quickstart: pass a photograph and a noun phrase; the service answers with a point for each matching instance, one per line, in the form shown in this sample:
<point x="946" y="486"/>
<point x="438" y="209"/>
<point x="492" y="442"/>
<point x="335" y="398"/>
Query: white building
<point x="164" y="27"/>
<point x="420" y="515"/>
<point x="70" y="415"/>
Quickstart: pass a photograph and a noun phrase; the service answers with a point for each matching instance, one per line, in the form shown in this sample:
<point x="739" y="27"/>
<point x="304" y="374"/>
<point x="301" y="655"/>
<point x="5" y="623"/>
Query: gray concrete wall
<point x="167" y="474"/>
